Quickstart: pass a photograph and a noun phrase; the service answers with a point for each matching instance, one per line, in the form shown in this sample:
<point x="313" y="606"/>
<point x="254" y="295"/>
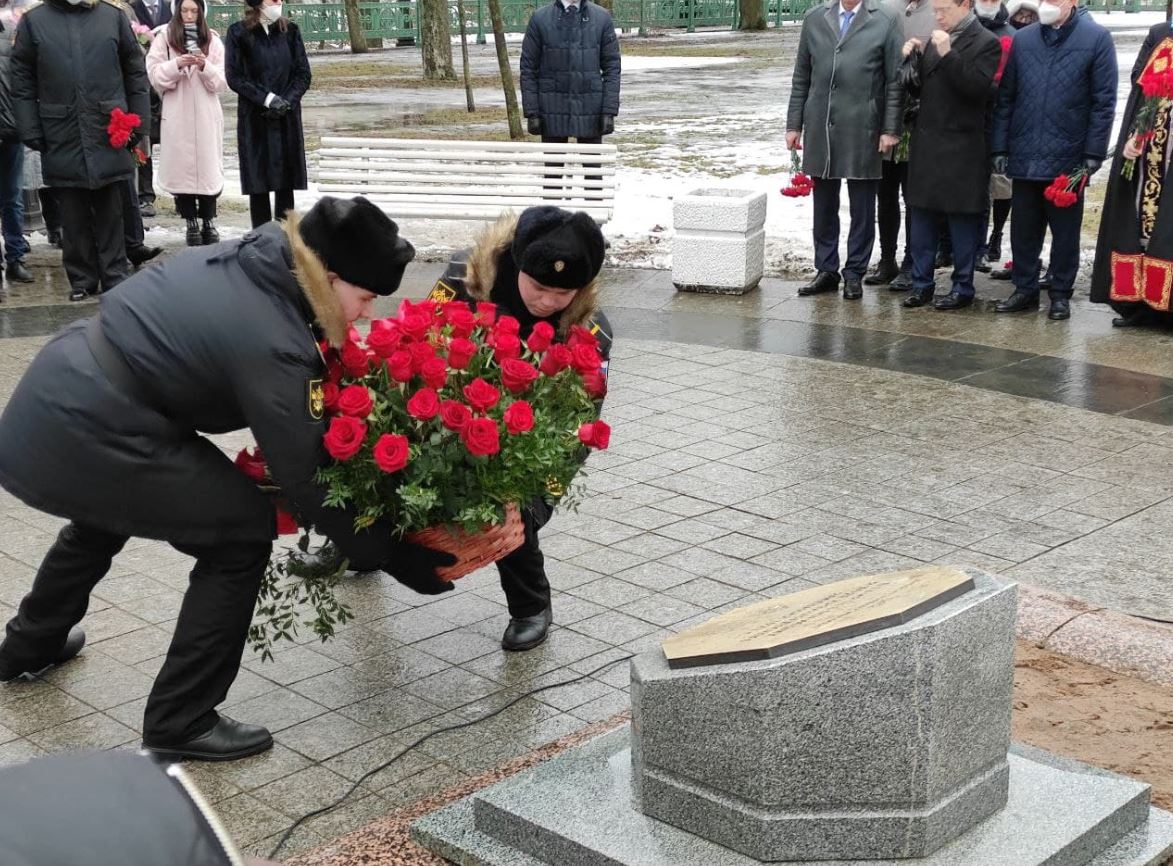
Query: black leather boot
<point x="527" y="632"/>
<point x="10" y="669"/>
<point x="1060" y="309"/>
<point x="228" y="740"/>
<point x="194" y="238"/>
<point x="882" y="274"/>
<point x="995" y="247"/>
<point x="824" y="281"/>
<point x="209" y="234"/>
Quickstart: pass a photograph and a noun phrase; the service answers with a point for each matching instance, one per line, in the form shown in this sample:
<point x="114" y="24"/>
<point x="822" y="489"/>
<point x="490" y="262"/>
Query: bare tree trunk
<point x="464" y="57"/>
<point x="436" y="40"/>
<point x="753" y="14"/>
<point x="511" y="109"/>
<point x="358" y="42"/>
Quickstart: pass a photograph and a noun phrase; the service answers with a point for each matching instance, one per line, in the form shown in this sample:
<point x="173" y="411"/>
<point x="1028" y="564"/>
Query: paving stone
<point x="95" y="731"/>
<point x="386" y="713"/>
<point x="610" y="592"/>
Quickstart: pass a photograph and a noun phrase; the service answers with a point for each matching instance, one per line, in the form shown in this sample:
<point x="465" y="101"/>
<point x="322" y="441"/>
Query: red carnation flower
<point x="391" y="452"/>
<point x="519" y="417"/>
<point x="344" y="437"/>
<point x="424" y="404"/>
<point x="481" y="395"/>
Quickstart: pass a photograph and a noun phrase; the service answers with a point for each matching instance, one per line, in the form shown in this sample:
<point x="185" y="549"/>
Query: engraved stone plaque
<point x="814" y="617"/>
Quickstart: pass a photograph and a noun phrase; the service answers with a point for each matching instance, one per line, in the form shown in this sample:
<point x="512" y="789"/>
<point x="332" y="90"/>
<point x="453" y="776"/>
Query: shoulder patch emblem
<point x="315" y="399"/>
<point x="442" y="293"/>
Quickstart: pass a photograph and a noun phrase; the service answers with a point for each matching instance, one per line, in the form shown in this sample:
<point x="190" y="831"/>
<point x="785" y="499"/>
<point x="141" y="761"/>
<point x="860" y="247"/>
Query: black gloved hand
<point x="1092" y="165"/>
<point x="37" y="144"/>
<point x="999" y="163"/>
<point x="415" y="567"/>
<point x="534" y="125"/>
<point x="608" y="124"/>
<point x="278" y="107"/>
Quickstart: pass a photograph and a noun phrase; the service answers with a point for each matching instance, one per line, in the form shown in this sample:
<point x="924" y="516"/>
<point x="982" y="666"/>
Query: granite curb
<point x="1080" y="630"/>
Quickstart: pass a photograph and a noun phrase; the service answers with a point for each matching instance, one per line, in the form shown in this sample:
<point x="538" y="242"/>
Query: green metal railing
<point x="397" y="19"/>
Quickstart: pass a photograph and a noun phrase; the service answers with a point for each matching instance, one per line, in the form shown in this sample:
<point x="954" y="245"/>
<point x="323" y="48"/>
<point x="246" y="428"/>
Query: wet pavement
<point x="761" y="444"/>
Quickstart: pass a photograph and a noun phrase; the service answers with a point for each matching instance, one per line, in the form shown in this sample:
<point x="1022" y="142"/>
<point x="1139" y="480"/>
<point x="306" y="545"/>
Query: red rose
<point x="355" y="400"/>
<point x="581" y="336"/>
<point x="434" y="372"/>
<point x="454" y="416"/>
<point x="334" y="371"/>
<point x="252" y="465"/>
<point x="354" y="359"/>
<point x="540" y="337"/>
<point x="507" y="325"/>
<point x="415" y="323"/>
<point x="596" y="434"/>
<point x="480" y="437"/>
<point x="286" y="525"/>
<point x="424" y="404"/>
<point x="391" y="452"/>
<point x="506" y="346"/>
<point x="517" y="375"/>
<point x="556" y="360"/>
<point x="420" y="353"/>
<point x="519" y="417"/>
<point x="595" y="384"/>
<point x="400" y="367"/>
<point x="460" y="318"/>
<point x="481" y="395"/>
<point x="383" y="341"/>
<point x="330" y="395"/>
<point x="344" y="437"/>
<point x="486" y="314"/>
<point x="460" y="352"/>
<point x="585" y="358"/>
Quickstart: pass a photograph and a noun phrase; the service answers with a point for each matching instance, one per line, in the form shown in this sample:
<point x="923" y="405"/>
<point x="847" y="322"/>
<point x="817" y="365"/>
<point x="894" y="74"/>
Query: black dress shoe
<point x="146" y="209"/>
<point x="1017" y="303"/>
<point x="228" y="740"/>
<point x="983" y="265"/>
<point x="824" y="281"/>
<point x="903" y="281"/>
<point x="1060" y="309"/>
<point x="1002" y="275"/>
<point x="19" y="272"/>
<point x="141" y="254"/>
<point x="952" y="301"/>
<point x="882" y="274"/>
<point x="918" y="299"/>
<point x="11" y="669"/>
<point x="209" y="234"/>
<point x="526" y="632"/>
<point x="852" y="290"/>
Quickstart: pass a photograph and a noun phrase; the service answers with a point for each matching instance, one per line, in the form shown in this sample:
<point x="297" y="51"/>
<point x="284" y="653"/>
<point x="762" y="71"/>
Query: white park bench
<point x="473" y="180"/>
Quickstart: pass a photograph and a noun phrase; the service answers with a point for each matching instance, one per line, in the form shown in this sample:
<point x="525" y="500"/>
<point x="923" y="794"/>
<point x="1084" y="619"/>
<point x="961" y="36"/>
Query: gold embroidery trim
<point x="1166" y="270"/>
<point x="1121" y="293"/>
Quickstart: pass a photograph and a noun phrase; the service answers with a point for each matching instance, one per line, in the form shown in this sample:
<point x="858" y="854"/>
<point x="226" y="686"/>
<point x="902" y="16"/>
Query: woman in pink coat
<point x="186" y="67"/>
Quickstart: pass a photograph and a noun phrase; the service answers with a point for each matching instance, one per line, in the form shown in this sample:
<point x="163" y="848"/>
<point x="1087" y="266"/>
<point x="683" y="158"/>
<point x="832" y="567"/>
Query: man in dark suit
<point x="949" y="165"/>
<point x="151" y="13"/>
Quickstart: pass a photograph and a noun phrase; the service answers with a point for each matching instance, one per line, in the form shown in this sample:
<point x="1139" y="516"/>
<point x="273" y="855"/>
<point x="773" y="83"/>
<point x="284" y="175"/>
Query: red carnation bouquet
<point x="1156" y="84"/>
<point x="444" y="422"/>
<point x="800" y="184"/>
<point x="1065" y="190"/>
<point x="119" y="130"/>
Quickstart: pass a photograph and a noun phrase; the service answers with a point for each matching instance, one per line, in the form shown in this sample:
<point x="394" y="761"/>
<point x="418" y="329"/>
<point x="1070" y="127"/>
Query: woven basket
<point x="476" y="549"/>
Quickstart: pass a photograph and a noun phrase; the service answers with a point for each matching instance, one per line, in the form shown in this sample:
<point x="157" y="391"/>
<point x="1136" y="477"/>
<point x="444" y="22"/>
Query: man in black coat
<point x="949" y="165"/>
<point x="151" y="13"/>
<point x="103" y="429"/>
<point x="75" y="61"/>
<point x="570" y="68"/>
<point x="11" y="169"/>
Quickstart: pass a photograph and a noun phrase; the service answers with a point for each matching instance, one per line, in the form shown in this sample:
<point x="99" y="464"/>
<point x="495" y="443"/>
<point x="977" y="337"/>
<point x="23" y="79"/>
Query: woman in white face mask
<point x="266" y="64"/>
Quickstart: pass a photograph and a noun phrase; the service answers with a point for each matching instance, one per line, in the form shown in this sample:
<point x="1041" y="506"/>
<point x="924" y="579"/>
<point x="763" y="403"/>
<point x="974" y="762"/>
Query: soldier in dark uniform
<point x="103" y="429"/>
<point x="541" y="266"/>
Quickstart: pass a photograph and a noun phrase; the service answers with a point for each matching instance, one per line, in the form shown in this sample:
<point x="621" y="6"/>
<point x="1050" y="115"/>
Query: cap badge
<point x="559" y="266"/>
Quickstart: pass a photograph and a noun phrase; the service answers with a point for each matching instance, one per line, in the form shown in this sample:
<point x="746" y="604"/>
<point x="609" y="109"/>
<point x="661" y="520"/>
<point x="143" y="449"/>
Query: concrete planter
<point x="720" y="243"/>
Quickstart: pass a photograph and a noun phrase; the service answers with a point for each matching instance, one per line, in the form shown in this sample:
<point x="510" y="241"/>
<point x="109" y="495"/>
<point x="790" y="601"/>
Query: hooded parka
<point x="71" y="67"/>
<point x="215" y="339"/>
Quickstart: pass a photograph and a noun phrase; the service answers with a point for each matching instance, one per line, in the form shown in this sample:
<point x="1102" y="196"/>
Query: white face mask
<point x="271" y="13"/>
<point x="984" y="11"/>
<point x="1049" y="13"/>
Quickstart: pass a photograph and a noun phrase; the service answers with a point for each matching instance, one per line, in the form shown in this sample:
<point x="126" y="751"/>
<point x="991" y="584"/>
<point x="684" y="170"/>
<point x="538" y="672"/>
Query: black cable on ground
<point x="285" y="837"/>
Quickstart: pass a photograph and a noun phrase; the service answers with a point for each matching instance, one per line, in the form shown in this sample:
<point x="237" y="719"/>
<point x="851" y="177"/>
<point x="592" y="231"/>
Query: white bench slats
<point x="469" y="179"/>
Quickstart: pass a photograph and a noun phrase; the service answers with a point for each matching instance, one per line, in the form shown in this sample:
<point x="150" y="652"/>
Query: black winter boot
<point x="209" y="234"/>
<point x="194" y="239"/>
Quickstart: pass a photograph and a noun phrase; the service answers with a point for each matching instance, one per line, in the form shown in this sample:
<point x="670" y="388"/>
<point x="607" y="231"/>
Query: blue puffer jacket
<point x="570" y="69"/>
<point x="1057" y="99"/>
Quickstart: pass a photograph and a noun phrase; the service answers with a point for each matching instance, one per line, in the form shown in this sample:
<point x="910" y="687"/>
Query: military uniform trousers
<point x="523" y="572"/>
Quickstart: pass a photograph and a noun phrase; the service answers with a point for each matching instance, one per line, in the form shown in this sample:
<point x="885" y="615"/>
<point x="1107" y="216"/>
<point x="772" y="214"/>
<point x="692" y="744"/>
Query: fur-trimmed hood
<point x="311" y="275"/>
<point x="481" y="272"/>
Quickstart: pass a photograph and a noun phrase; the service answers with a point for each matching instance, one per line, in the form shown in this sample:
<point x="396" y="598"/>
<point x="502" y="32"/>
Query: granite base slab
<point x="575" y="810"/>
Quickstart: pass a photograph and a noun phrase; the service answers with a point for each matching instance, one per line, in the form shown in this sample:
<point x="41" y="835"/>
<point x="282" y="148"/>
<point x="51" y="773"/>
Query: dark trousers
<point x="191" y="206"/>
<point x="132" y="218"/>
<point x="1000" y="209"/>
<point x="93" y="247"/>
<point x="556" y="139"/>
<point x="889" y="195"/>
<point x="861" y="235"/>
<point x="210" y="633"/>
<point x="50" y="208"/>
<point x="146" y="184"/>
<point x="12" y="200"/>
<point x="523" y="572"/>
<point x="262" y="212"/>
<point x="965" y="232"/>
<point x="1033" y="215"/>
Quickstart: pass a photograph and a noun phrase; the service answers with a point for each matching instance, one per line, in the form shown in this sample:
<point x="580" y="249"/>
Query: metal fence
<point x="397" y="19"/>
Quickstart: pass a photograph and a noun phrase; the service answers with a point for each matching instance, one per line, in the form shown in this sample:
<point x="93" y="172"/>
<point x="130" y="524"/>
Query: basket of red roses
<point x="444" y="423"/>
